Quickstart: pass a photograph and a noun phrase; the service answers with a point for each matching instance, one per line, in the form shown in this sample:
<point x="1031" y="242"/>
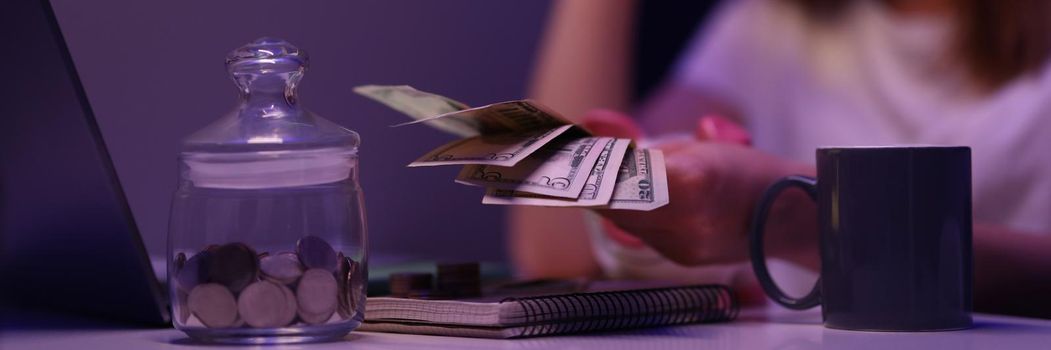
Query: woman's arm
<point x="584" y="63"/>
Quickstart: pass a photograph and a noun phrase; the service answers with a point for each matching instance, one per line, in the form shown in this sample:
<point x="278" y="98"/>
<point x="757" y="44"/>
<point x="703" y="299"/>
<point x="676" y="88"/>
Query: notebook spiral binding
<point x="546" y="315"/>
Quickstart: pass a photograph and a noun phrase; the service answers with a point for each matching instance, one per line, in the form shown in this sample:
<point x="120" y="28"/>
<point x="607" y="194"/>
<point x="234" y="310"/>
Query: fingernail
<point x="720" y="129"/>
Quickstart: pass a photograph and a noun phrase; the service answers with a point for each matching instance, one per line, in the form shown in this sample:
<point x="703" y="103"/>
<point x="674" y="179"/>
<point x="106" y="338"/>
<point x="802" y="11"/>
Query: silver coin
<point x="182" y="309"/>
<point x="179" y="261"/>
<point x="343" y="278"/>
<point x="283" y="268"/>
<point x="194" y="271"/>
<point x="213" y="304"/>
<point x="350" y="287"/>
<point x="234" y="265"/>
<point x="315" y="253"/>
<point x="316" y="296"/>
<point x="358" y="279"/>
<point x="264" y="304"/>
<point x="290" y="302"/>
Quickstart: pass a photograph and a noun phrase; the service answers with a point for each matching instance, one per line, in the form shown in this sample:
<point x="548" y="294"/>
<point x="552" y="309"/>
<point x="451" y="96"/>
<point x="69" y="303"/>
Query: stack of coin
<point x="461" y="280"/>
<point x="411" y="284"/>
<point x="230" y="285"/>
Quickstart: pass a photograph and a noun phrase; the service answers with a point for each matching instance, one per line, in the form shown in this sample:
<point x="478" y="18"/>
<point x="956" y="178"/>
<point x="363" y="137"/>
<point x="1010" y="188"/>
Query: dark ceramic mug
<point x="895" y="238"/>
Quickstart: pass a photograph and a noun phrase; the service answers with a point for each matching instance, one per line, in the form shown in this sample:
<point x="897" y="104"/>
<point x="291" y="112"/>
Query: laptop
<point x="68" y="241"/>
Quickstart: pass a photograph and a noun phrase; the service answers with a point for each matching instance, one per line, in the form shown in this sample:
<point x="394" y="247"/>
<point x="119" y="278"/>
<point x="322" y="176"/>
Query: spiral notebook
<point x="541" y="315"/>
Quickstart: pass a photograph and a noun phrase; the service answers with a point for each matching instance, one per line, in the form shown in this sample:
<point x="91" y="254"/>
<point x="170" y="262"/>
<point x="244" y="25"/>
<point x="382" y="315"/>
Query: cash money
<point x="510" y="116"/>
<point x="420" y="105"/>
<point x="597" y="191"/>
<point x="559" y="170"/>
<point x="505" y="149"/>
<point x="642" y="183"/>
<point x="526" y="154"/>
<point x="497" y="134"/>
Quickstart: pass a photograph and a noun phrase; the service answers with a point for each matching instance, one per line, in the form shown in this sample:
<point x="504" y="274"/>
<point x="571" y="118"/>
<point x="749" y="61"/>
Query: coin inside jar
<point x="315" y="253"/>
<point x="356" y="283"/>
<point x="266" y="304"/>
<point x="234" y="265"/>
<point x="179" y="261"/>
<point x="181" y="306"/>
<point x="316" y="296"/>
<point x="213" y="305"/>
<point x="283" y="268"/>
<point x="343" y="279"/>
<point x="194" y="271"/>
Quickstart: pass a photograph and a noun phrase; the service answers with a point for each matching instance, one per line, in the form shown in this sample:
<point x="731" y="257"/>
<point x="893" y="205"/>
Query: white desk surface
<point x="755" y="329"/>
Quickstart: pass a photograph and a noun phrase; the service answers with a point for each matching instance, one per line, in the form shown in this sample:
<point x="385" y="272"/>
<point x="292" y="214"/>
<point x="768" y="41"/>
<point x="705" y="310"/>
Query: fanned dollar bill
<point x="642" y="183"/>
<point x="505" y="149"/>
<point x="526" y="154"/>
<point x="500" y="134"/>
<point x="420" y="105"/>
<point x="598" y="189"/>
<point x="560" y="169"/>
<point x="503" y="117"/>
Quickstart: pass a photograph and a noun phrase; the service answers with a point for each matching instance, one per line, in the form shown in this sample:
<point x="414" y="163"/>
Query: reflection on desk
<point x="769" y="328"/>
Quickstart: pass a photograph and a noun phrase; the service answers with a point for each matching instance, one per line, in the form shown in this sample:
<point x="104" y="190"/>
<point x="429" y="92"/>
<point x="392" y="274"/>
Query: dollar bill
<point x="506" y="149"/>
<point x="526" y="154"/>
<point x="642" y="183"/>
<point x="421" y="105"/>
<point x="457" y="118"/>
<point x="598" y="189"/>
<point x="560" y="169"/>
<point x="503" y="117"/>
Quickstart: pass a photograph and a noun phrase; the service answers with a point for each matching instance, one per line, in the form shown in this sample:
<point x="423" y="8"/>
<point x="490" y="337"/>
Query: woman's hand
<point x="714" y="181"/>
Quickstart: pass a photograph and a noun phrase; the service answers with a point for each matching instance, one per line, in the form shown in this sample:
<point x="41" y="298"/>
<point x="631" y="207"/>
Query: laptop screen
<point x="68" y="240"/>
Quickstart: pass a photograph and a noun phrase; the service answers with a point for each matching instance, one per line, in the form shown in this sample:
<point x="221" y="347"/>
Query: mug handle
<point x="755" y="242"/>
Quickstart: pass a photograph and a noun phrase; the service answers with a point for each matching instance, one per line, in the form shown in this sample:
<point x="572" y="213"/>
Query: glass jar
<point x="267" y="240"/>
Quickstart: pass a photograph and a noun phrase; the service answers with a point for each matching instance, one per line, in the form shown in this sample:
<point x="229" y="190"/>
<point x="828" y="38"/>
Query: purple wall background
<point x="154" y="73"/>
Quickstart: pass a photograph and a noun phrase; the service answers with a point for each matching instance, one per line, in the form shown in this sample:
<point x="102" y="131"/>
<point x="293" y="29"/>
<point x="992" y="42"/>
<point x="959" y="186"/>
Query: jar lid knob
<point x="265" y="57"/>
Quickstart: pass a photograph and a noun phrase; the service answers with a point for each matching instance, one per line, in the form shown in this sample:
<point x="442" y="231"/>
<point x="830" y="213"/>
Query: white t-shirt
<point x="870" y="78"/>
<point x="877" y="78"/>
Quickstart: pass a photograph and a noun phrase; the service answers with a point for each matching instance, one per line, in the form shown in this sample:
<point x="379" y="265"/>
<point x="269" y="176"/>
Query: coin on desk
<point x="283" y="268"/>
<point x="233" y="265"/>
<point x="213" y="304"/>
<point x="459" y="280"/>
<point x="265" y="304"/>
<point x="316" y="296"/>
<point x="411" y="284"/>
<point x="315" y="253"/>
